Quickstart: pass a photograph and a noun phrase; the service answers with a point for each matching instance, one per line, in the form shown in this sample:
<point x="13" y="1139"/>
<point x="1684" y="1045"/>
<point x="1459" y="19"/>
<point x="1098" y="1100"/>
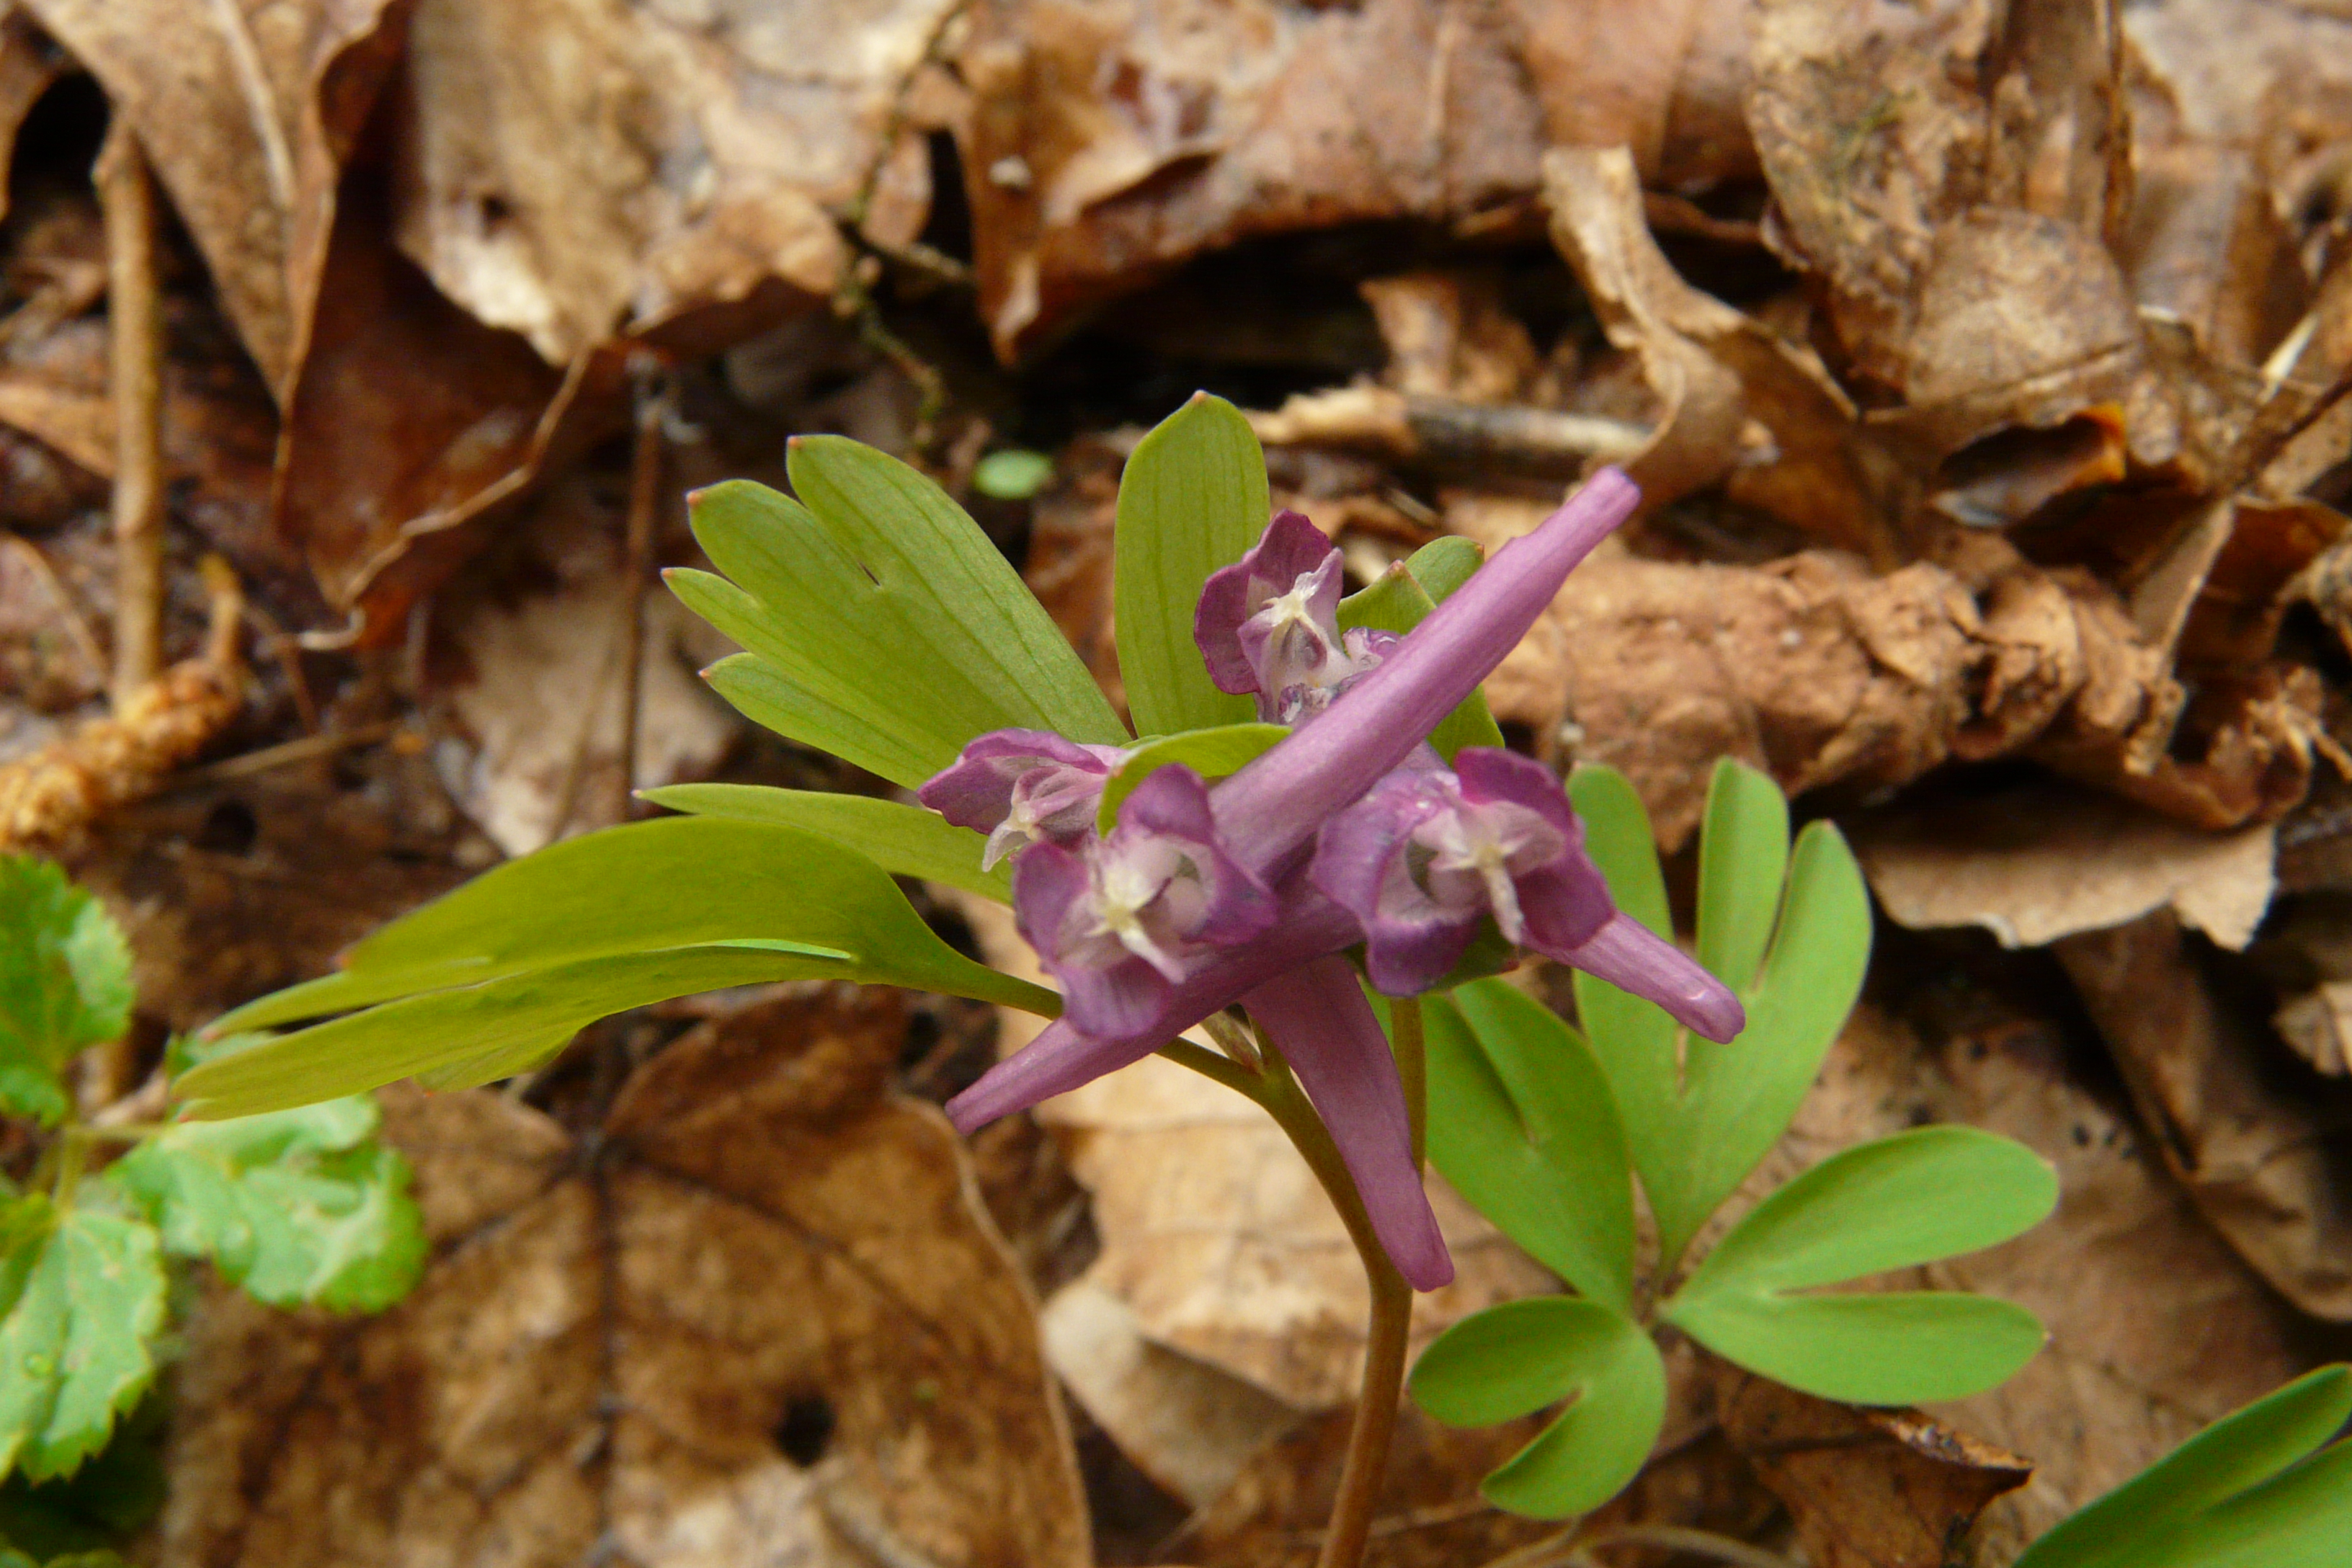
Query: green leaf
<point x="1400" y="601"/>
<point x="295" y="1207"/>
<point x="81" y="1297"/>
<point x="1212" y="754"/>
<point x="65" y="982"/>
<point x="881" y="624"/>
<point x="903" y="840"/>
<point x="1743" y="861"/>
<point x="1193" y="499"/>
<point x="1698" y="1115"/>
<point x="501" y="973"/>
<point x="1520" y="1124"/>
<point x="649" y="887"/>
<point x="110" y="1499"/>
<point x="2242" y="1483"/>
<point x="1517" y="1358"/>
<point x="1882" y="1206"/>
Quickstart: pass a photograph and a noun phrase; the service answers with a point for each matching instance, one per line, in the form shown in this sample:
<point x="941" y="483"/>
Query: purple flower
<point x="1271" y="808"/>
<point x="1427" y="854"/>
<point x="1268" y="625"/>
<point x="1119" y="919"/>
<point x="1316" y="1017"/>
<point x="1023" y="787"/>
<point x="1306" y="926"/>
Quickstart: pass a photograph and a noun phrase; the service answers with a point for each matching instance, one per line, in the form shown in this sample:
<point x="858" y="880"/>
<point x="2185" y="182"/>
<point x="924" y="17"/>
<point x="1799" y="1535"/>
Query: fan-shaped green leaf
<point x="903" y="840"/>
<point x="81" y="1297"/>
<point x="1520" y="1122"/>
<point x="1698" y="1115"/>
<point x="2243" y="1491"/>
<point x="1918" y="1196"/>
<point x="65" y="982"/>
<point x="1192" y="500"/>
<point x="881" y="624"/>
<point x="1511" y="1360"/>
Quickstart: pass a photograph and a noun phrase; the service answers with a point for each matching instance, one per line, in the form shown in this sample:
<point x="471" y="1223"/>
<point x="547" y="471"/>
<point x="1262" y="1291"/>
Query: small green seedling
<point x="1546" y="1129"/>
<point x="300" y="1208"/>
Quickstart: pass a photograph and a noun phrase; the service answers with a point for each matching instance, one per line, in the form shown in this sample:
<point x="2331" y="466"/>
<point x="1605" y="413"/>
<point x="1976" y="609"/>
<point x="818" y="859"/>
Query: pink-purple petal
<point x="1273" y="807"/>
<point x="1318" y="1017"/>
<point x="1289" y="549"/>
<point x="1634" y="958"/>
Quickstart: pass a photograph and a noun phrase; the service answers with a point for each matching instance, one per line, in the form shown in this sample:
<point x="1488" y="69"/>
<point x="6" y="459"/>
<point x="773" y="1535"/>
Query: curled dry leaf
<point x="2042" y="861"/>
<point x="2256" y="1138"/>
<point x="1108" y="144"/>
<point x="758" y="1316"/>
<point x="1867" y="1489"/>
<point x="247" y="112"/>
<point x="1737" y="405"/>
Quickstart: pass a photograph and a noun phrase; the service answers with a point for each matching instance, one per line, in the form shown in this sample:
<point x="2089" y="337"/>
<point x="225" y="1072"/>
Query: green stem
<point x="1387" y="1335"/>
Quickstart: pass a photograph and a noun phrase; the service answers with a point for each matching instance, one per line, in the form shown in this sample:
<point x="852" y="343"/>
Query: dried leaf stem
<point x="135" y="351"/>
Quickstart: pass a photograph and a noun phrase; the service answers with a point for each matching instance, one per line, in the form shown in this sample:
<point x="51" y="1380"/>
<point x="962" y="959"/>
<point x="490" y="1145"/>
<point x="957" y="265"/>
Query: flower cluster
<point x="1350" y="832"/>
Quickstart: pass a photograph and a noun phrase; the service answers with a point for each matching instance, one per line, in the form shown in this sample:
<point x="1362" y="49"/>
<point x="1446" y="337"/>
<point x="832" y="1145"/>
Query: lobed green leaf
<point x="1519" y="1357"/>
<point x="1883" y="1206"/>
<point x="65" y="982"/>
<point x="1520" y="1124"/>
<point x="880" y="624"/>
<point x="296" y="1207"/>
<point x="1192" y="500"/>
<point x="81" y="1299"/>
<point x="1699" y="1115"/>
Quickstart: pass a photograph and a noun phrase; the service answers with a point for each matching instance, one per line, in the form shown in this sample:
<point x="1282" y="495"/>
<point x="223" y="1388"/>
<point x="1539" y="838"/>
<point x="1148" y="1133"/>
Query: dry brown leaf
<point x="571" y="170"/>
<point x="411" y="424"/>
<point x="2042" y="861"/>
<point x="2259" y="1142"/>
<point x="246" y="110"/>
<point x="1961" y="237"/>
<point x="1108" y="142"/>
<point x="757" y="1317"/>
<point x="1868" y="1488"/>
<point x="1737" y="405"/>
<point x="536" y="702"/>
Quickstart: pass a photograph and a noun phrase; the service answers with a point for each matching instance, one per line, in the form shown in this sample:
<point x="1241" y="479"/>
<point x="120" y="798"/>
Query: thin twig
<point x="656" y="399"/>
<point x="135" y="383"/>
<point x="301" y="749"/>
